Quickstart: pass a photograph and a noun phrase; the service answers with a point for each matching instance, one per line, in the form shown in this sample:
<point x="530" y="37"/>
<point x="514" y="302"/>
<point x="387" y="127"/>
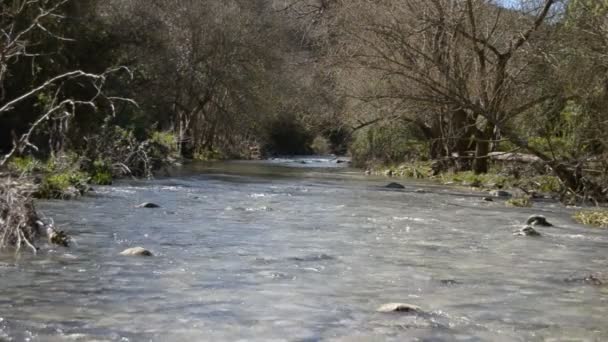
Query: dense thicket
<point x="391" y="80"/>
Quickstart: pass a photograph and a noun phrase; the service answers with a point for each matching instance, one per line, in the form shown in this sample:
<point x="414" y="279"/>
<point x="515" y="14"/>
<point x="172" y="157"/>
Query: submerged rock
<point x="420" y="191"/>
<point x="58" y="237"/>
<point x="538" y="220"/>
<point x="148" y="205"/>
<point x="591" y="279"/>
<point x="500" y="193"/>
<point x="136" y="251"/>
<point x="527" y="231"/>
<point x="394" y="186"/>
<point x="488" y="199"/>
<point x="449" y="282"/>
<point x="399" y="307"/>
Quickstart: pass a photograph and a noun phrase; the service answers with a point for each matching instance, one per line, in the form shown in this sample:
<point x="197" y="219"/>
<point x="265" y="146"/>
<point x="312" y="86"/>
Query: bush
<point x="597" y="218"/>
<point x="469" y="178"/>
<point x="321" y="146"/>
<point x="25" y="165"/>
<point x="386" y="145"/>
<point x="166" y="139"/>
<point x="521" y="202"/>
<point x="208" y="155"/>
<point x="101" y="174"/>
<point x="63" y="185"/>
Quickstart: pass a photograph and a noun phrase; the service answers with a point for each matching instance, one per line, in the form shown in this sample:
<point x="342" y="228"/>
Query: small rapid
<point x="303" y="249"/>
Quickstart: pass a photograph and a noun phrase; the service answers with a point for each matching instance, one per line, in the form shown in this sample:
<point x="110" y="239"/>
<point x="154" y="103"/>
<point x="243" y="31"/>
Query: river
<point x="303" y="250"/>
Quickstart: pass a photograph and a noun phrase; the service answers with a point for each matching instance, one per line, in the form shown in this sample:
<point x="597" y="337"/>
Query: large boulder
<point x="538" y="220"/>
<point x="136" y="251"/>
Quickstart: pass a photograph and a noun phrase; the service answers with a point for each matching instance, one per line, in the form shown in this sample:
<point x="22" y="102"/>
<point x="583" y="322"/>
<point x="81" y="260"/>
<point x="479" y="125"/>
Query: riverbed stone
<point x="591" y="279"/>
<point x="500" y="193"/>
<point x="527" y="231"/>
<point x="148" y="205"/>
<point x="394" y="186"/>
<point x="399" y="307"/>
<point x="136" y="251"/>
<point x="538" y="220"/>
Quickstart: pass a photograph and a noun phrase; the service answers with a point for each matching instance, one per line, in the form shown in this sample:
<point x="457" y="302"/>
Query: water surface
<point x="302" y="250"/>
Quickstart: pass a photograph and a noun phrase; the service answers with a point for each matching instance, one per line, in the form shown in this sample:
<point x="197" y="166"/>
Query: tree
<point x="32" y="32"/>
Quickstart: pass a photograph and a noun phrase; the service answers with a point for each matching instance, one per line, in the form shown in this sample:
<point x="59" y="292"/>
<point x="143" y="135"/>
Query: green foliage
<point x="597" y="218"/>
<point x="469" y="178"/>
<point x="167" y="139"/>
<point x="321" y="146"/>
<point x="63" y="185"/>
<point x="416" y="170"/>
<point x="389" y="144"/>
<point x="521" y="202"/>
<point x="101" y="173"/>
<point x="208" y="155"/>
<point x="546" y="183"/>
<point x="25" y="165"/>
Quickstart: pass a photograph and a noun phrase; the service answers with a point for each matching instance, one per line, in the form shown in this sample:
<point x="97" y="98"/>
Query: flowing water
<point x="303" y="250"/>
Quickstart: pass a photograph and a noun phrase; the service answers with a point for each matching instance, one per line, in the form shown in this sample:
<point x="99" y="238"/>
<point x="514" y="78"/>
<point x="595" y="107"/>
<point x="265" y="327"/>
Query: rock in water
<point x="500" y="193"/>
<point x="527" y="231"/>
<point x="148" y="205"/>
<point x="538" y="220"/>
<point x="488" y="199"/>
<point x="394" y="186"/>
<point x="136" y="251"/>
<point x="399" y="307"/>
<point x="58" y="237"/>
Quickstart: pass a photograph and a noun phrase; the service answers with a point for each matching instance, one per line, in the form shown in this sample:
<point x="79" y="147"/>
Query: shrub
<point x="62" y="185"/>
<point x="25" y="165"/>
<point x="166" y="139"/>
<point x="597" y="218"/>
<point x="519" y="202"/>
<point x="208" y="155"/>
<point x="388" y="144"/>
<point x="101" y="174"/>
<point x="321" y="146"/>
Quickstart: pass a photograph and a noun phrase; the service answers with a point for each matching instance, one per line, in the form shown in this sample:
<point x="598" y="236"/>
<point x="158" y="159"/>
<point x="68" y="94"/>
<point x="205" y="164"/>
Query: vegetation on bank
<point x="596" y="218"/>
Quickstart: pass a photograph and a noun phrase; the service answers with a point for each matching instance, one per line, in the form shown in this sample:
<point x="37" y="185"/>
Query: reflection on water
<point x="285" y="250"/>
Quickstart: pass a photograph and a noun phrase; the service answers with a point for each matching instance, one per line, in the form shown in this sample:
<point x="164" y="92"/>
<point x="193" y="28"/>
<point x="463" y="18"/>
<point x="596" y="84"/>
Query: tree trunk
<point x="462" y="130"/>
<point x="482" y="148"/>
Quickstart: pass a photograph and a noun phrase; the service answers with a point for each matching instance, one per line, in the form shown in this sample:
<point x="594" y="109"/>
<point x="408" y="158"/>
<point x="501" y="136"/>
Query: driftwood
<point x="19" y="223"/>
<point x="514" y="157"/>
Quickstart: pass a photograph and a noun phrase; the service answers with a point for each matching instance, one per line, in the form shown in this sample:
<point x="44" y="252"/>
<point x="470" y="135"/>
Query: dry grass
<point x="597" y="218"/>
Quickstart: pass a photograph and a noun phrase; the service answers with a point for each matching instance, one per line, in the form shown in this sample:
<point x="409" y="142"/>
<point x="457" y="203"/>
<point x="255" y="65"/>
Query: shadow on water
<point x="303" y="249"/>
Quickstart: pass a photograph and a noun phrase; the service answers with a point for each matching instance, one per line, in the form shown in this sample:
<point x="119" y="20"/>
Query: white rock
<point x="136" y="251"/>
